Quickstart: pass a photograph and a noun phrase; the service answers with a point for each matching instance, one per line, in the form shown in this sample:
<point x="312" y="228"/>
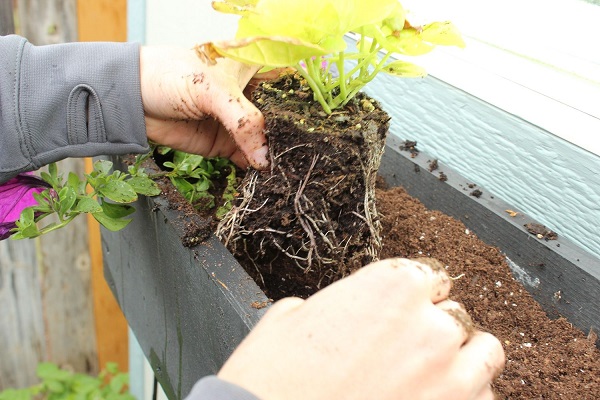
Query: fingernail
<point x="260" y="157"/>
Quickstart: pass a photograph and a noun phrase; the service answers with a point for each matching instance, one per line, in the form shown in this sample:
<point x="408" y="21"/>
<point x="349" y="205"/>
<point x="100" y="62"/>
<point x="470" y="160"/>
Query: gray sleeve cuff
<point x="213" y="388"/>
<point x="68" y="100"/>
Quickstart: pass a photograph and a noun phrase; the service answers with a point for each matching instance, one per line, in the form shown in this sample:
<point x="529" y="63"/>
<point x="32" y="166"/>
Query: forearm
<point x="68" y="100"/>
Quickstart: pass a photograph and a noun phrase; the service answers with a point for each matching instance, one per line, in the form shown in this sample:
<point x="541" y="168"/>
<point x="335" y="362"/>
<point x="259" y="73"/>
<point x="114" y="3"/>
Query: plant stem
<point x="314" y="86"/>
<point x="342" y="76"/>
<point x="51" y="228"/>
<point x="363" y="64"/>
<point x="314" y="71"/>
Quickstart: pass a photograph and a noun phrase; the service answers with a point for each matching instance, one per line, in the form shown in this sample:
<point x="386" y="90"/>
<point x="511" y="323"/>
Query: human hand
<point x="200" y="108"/>
<point x="385" y="332"/>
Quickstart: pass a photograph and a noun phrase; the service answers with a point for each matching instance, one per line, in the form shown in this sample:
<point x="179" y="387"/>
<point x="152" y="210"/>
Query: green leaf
<point x="110" y="223"/>
<point x="53" y="170"/>
<point x="118" y="191"/>
<point x="87" y="205"/>
<point x="112" y="368"/>
<point x="202" y="185"/>
<point x="67" y="198"/>
<point x="103" y="166"/>
<point x="85" y="384"/>
<point x="144" y="186"/>
<point x="43" y="202"/>
<point x="27" y="232"/>
<point x="119" y="382"/>
<point x="75" y="182"/>
<point x="50" y="371"/>
<point x="54" y="386"/>
<point x="16" y="394"/>
<point x="163" y="150"/>
<point x="26" y="226"/>
<point x="52" y="176"/>
<point x="183" y="186"/>
<point x="404" y="69"/>
<point x="117" y="210"/>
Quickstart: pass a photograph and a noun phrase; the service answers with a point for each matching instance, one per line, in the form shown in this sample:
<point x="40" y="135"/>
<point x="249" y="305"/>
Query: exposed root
<point x="312" y="216"/>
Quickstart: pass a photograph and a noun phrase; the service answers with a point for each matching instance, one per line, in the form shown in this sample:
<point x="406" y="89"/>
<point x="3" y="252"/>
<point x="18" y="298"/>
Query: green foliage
<point x="309" y="36"/>
<point x="194" y="177"/>
<point x="108" y="200"/>
<point x="59" y="384"/>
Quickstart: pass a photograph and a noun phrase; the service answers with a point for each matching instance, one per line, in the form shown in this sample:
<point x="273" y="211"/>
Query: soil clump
<point x="310" y="219"/>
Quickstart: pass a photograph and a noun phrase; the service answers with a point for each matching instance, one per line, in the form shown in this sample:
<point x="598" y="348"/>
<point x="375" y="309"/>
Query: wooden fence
<point x="46" y="298"/>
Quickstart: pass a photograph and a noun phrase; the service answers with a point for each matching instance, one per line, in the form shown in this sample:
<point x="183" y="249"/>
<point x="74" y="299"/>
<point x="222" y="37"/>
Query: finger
<point x="460" y="317"/>
<point x="479" y="362"/>
<point x="244" y="122"/>
<point x="421" y="276"/>
<point x="487" y="393"/>
<point x="440" y="281"/>
<point x="239" y="159"/>
<point x="283" y="307"/>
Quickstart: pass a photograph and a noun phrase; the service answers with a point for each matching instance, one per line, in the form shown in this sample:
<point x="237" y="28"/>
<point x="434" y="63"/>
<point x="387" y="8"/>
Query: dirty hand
<point x="198" y="108"/>
<point x="385" y="332"/>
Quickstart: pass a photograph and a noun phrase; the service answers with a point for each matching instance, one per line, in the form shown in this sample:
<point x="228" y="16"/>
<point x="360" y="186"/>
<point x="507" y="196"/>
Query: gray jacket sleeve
<point x="67" y="100"/>
<point x="213" y="388"/>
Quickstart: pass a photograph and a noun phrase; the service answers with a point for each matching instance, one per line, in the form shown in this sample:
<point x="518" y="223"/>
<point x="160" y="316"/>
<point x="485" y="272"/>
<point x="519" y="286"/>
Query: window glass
<point x="550" y="46"/>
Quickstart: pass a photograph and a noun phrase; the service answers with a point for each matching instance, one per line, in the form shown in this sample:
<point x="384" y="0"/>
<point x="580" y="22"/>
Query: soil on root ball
<point x="311" y="218"/>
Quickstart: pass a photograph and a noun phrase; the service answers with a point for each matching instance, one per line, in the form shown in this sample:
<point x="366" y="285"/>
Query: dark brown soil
<point x="310" y="218"/>
<point x="546" y="359"/>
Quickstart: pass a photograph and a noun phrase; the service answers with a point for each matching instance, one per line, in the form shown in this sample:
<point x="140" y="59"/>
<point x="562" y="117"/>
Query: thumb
<point x="244" y="122"/>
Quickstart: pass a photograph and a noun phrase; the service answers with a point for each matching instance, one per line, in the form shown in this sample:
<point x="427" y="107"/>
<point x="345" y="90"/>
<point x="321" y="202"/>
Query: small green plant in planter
<point x="312" y="218"/>
<point x="108" y="201"/>
<point x="61" y="384"/>
<point x="25" y="201"/>
<point x="195" y="177"/>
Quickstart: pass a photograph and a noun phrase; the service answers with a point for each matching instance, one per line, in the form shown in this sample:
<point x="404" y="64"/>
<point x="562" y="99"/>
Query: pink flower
<point x="15" y="195"/>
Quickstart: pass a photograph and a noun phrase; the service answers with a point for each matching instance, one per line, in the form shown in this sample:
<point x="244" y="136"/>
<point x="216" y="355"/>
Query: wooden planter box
<point x="190" y="307"/>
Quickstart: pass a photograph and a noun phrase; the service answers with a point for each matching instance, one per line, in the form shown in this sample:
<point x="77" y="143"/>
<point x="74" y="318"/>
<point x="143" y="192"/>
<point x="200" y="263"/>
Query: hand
<point x="385" y="332"/>
<point x="199" y="108"/>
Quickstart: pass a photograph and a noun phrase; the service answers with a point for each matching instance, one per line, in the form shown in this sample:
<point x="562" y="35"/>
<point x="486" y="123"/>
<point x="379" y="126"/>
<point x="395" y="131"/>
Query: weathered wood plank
<point x="21" y="320"/>
<point x="22" y="342"/>
<point x="7" y="23"/>
<point x="45" y="283"/>
<point x="104" y="20"/>
<point x="49" y="21"/>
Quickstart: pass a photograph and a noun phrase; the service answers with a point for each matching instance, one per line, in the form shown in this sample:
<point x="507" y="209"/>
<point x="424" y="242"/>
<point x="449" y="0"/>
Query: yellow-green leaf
<point x="312" y="21"/>
<point x="442" y="33"/>
<point x="275" y="51"/>
<point x="240" y="7"/>
<point x="404" y="69"/>
<point x="409" y="42"/>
